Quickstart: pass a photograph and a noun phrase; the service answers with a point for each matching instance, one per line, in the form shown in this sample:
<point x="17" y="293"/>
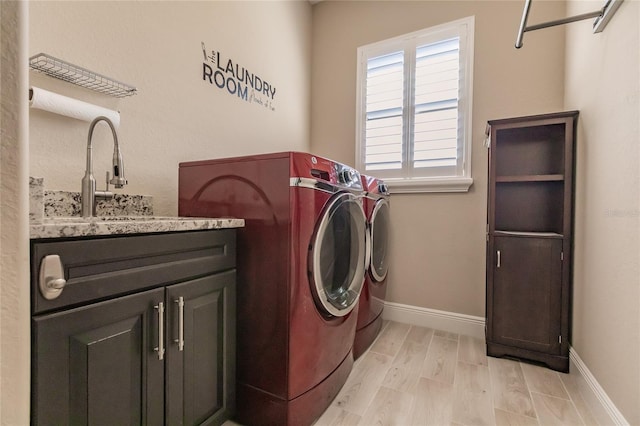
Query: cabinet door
<point x="526" y="305"/>
<point x="201" y="377"/>
<point x="96" y="365"/>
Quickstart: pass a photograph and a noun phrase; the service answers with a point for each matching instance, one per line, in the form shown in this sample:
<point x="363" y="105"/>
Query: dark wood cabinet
<point x="196" y="374"/>
<point x="529" y="237"/>
<point x="526" y="286"/>
<point x="92" y="363"/>
<point x="158" y="349"/>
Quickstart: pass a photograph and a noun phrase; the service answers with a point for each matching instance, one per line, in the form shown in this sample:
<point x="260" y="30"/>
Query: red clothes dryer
<point x="376" y="207"/>
<point x="301" y="265"/>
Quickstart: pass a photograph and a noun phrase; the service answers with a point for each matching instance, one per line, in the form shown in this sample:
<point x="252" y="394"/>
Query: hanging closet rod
<point x="602" y="18"/>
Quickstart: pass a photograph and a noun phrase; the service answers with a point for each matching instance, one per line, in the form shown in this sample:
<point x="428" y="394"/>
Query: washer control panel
<point x="347" y="176"/>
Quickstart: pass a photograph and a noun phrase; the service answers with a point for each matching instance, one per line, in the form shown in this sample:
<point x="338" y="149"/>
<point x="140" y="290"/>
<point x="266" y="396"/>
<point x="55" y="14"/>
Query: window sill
<point x="417" y="185"/>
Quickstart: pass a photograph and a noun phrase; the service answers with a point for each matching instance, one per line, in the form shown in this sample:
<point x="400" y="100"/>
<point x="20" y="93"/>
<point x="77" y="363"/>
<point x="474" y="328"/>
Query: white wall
<point x="14" y="237"/>
<point x="603" y="82"/>
<point x="438" y="240"/>
<point x="176" y="115"/>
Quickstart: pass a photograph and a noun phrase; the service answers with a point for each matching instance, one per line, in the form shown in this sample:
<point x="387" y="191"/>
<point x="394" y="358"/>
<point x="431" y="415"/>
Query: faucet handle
<point x="106" y="194"/>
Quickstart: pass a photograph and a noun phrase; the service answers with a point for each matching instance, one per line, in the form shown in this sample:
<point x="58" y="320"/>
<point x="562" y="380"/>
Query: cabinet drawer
<point x="100" y="268"/>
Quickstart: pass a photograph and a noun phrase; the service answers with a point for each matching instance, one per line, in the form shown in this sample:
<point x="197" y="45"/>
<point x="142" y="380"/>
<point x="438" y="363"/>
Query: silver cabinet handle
<point x="180" y="340"/>
<point x="51" y="277"/>
<point x="498" y="265"/>
<point x="160" y="348"/>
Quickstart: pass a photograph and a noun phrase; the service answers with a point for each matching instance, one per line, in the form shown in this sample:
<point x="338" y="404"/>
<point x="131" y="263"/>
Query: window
<point x="414" y="105"/>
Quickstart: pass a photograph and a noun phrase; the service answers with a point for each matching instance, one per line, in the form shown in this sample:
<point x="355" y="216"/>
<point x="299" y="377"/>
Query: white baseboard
<point x="432" y="318"/>
<point x="601" y="405"/>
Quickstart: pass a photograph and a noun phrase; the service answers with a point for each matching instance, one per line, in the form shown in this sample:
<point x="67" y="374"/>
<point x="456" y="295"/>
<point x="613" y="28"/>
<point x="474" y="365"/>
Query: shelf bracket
<point x="603" y="16"/>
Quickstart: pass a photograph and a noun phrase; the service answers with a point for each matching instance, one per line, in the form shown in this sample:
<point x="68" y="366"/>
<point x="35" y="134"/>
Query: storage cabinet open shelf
<point x="534" y="206"/>
<point x="501" y="233"/>
<point x="529" y="237"/>
<point x="530" y="178"/>
<point x="530" y="150"/>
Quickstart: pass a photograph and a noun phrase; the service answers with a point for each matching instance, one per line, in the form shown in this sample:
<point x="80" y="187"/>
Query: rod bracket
<point x="603" y="16"/>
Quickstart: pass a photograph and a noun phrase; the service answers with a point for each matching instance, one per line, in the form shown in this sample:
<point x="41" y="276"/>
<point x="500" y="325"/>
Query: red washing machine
<point x="301" y="265"/>
<point x="376" y="207"/>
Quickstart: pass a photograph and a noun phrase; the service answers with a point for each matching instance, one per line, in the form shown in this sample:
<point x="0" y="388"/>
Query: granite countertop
<point x="56" y="214"/>
<point x="64" y="227"/>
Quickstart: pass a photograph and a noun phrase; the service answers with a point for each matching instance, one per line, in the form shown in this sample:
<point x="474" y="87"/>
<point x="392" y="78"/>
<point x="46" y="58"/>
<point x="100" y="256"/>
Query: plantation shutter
<point x="434" y="139"/>
<point x="435" y="133"/>
<point x="413" y="112"/>
<point x="384" y="112"/>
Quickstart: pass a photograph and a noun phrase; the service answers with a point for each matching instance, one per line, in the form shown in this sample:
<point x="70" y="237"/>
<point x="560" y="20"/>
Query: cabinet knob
<point x="51" y="280"/>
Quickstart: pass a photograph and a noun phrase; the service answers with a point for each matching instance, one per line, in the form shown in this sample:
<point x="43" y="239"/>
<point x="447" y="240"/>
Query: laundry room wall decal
<point x="232" y="77"/>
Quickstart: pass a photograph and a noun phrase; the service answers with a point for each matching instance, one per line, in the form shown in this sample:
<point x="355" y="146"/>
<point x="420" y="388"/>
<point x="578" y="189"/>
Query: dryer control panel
<point x="306" y="166"/>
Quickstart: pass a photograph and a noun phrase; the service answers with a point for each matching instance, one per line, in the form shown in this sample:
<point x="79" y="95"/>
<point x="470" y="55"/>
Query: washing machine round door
<point x="337" y="257"/>
<point x="379" y="262"/>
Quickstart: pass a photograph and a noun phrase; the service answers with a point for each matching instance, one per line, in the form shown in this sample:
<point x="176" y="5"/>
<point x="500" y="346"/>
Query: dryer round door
<point x="337" y="257"/>
<point x="379" y="262"/>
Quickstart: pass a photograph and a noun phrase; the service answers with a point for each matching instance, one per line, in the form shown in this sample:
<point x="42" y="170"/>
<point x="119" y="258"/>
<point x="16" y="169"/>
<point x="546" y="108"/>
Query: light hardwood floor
<point x="418" y="376"/>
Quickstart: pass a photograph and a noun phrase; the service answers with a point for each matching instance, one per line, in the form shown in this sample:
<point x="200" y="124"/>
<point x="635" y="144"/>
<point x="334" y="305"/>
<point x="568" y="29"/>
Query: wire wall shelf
<point x="65" y="71"/>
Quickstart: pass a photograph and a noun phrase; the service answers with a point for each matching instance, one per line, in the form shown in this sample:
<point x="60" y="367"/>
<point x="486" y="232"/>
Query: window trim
<point x="464" y="28"/>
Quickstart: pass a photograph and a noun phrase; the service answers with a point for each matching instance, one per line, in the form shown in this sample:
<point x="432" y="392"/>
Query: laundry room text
<point x="232" y="77"/>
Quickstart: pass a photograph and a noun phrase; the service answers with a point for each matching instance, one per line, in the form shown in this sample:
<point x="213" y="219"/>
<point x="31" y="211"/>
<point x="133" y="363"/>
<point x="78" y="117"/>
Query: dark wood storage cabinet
<point x="529" y="237"/>
<point x="97" y="349"/>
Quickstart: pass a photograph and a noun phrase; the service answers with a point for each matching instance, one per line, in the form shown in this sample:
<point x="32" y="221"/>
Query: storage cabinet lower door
<point x="201" y="372"/>
<point x="96" y="365"/>
<point x="525" y="306"/>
